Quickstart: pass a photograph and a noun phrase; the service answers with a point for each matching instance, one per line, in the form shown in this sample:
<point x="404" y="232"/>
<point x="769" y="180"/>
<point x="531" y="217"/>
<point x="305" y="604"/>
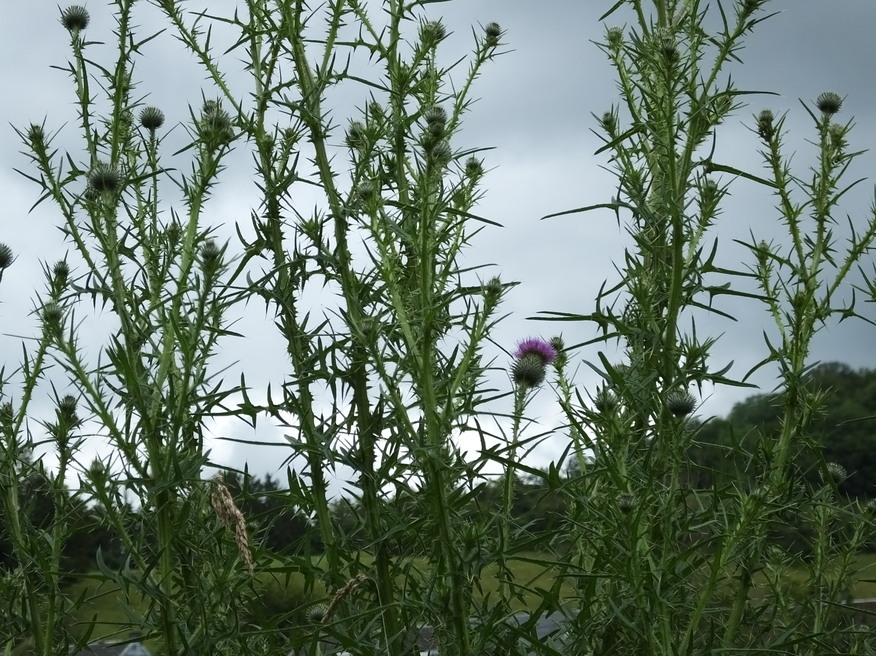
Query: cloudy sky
<point x="535" y="109"/>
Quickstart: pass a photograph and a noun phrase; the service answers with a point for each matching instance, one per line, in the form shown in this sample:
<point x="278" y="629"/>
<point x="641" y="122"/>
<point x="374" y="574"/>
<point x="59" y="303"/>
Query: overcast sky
<point x="535" y="109"/>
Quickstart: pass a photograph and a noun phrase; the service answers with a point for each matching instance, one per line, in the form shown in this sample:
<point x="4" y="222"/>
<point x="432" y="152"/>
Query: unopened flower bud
<point x="492" y="34"/>
<point x="103" y="179"/>
<point x="67" y="409"/>
<point x="626" y="503"/>
<point x="609" y="123"/>
<point x="680" y="402"/>
<point x="605" y="401"/>
<point x="765" y="125"/>
<point x="366" y="191"/>
<point x="317" y="613"/>
<point x="6" y="257"/>
<point x="52" y="315"/>
<point x="441" y="154"/>
<point x="432" y="33"/>
<point x="493" y="291"/>
<point x="615" y="38"/>
<point x="151" y="118"/>
<point x="829" y="102"/>
<point x="474" y="168"/>
<point x="36" y="135"/>
<point x="61" y="272"/>
<point x="356" y="135"/>
<point x="836" y="472"/>
<point x="211" y="257"/>
<point x="75" y="18"/>
<point x="528" y="371"/>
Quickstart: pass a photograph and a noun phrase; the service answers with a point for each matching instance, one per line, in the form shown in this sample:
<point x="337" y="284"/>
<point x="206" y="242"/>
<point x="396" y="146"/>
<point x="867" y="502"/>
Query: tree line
<point x="845" y="427"/>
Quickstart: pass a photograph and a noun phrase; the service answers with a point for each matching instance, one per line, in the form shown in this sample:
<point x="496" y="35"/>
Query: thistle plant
<point x="664" y="567"/>
<point x="388" y="368"/>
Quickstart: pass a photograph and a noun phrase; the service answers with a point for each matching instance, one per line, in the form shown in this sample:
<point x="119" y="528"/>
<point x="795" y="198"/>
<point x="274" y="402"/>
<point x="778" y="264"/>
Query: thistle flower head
<point x="829" y="102"/>
<point x="836" y="472"/>
<point x="532" y="357"/>
<point x="211" y="257"/>
<point x="36" y="135"/>
<point x="537" y="346"/>
<point x="103" y="178"/>
<point x="615" y="38"/>
<point x="626" y="503"/>
<point x="432" y="33"/>
<point x="61" y="272"/>
<point x="75" y="18"/>
<point x="492" y="33"/>
<point x="356" y="135"/>
<point x="317" y="613"/>
<point x="609" y="123"/>
<point x="680" y="402"/>
<point x="67" y="409"/>
<point x="151" y="118"/>
<point x="765" y="125"/>
<point x="435" y="115"/>
<point x="366" y="191"/>
<point x="493" y="291"/>
<point x="529" y="370"/>
<point x="6" y="256"/>
<point x="605" y="401"/>
<point x="441" y="153"/>
<point x="474" y="168"/>
<point x="214" y="125"/>
<point x="52" y="315"/>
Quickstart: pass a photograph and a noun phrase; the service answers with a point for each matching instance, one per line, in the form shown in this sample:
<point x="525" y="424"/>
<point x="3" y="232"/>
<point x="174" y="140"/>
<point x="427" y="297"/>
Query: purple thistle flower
<point x="536" y="346"/>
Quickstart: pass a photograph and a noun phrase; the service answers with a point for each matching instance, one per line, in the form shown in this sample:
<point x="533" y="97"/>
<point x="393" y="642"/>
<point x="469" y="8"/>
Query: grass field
<point x="111" y="608"/>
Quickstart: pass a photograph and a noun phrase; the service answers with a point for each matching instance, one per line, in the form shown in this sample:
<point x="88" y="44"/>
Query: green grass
<point x="111" y="609"/>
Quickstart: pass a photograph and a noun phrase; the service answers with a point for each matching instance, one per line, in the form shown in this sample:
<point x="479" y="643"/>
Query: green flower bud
<point x="356" y="135"/>
<point x="829" y="102"/>
<point x="474" y="168"/>
<point x="104" y="179"/>
<point x="75" y="18"/>
<point x="317" y="613"/>
<point x="211" y="257"/>
<point x="61" y="272"/>
<point x="435" y="115"/>
<point x="432" y="33"/>
<point x="151" y="118"/>
<point x="172" y="233"/>
<point x="609" y="123"/>
<point x="6" y="257"/>
<point x="626" y="503"/>
<point x="680" y="402"/>
<point x="615" y="38"/>
<point x="492" y="34"/>
<point x="214" y="125"/>
<point x="441" y="154"/>
<point x="605" y="401"/>
<point x="67" y="409"/>
<point x="366" y="191"/>
<point x="765" y="125"/>
<point x="529" y="370"/>
<point x="836" y="472"/>
<point x="53" y="315"/>
<point x="36" y="135"/>
<point x="492" y="291"/>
